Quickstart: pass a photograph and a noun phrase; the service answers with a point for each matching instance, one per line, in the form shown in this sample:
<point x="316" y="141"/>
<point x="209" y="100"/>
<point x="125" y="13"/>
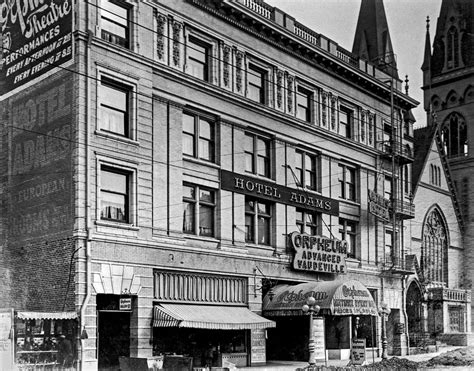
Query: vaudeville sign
<point x="318" y="253"/>
<point x="36" y="36"/>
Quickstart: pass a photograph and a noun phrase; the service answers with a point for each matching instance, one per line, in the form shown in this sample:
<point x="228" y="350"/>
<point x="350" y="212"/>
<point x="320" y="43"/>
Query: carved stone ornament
<point x="226" y="72"/>
<point x="362" y="125"/>
<point x="160" y="35"/>
<point x="333" y="112"/>
<point x="239" y="57"/>
<point x="324" y="108"/>
<point x="279" y="88"/>
<point x="370" y="128"/>
<point x="291" y="81"/>
<point x="176" y="44"/>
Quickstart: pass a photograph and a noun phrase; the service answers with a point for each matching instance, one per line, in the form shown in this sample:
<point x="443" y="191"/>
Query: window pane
<point x="188" y="218"/>
<point x="207" y="196"/>
<point x="188" y="144"/>
<point x="114" y="182"/>
<point x="249" y="162"/>
<point x="205" y="149"/>
<point x="113" y="206"/>
<point x="114" y="28"/>
<point x="263" y="208"/>
<point x="189" y="192"/>
<point x="262" y="147"/>
<point x="206" y="220"/>
<point x="249" y="228"/>
<point x="263" y="166"/>
<point x="263" y="231"/>
<point x="112" y="120"/>
<point x="205" y="129"/>
<point x="250" y="206"/>
<point x="188" y="124"/>
<point x="299" y="216"/>
<point x="114" y="12"/>
<point x="113" y="97"/>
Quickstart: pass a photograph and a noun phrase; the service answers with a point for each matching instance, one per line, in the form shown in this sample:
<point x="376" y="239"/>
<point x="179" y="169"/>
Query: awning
<point x="212" y="317"/>
<point x="46" y="315"/>
<point x="338" y="298"/>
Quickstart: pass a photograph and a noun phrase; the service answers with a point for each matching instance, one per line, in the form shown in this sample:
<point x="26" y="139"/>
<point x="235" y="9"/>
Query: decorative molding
<point x="324" y="108"/>
<point x="160" y="35"/>
<point x="333" y="111"/>
<point x="226" y="73"/>
<point x="279" y="92"/>
<point x="239" y="60"/>
<point x="291" y="85"/>
<point x="116" y="279"/>
<point x="177" y="26"/>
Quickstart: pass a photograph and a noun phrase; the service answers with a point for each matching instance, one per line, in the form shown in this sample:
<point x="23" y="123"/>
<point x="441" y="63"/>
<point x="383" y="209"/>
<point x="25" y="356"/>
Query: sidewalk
<point x="293" y="365"/>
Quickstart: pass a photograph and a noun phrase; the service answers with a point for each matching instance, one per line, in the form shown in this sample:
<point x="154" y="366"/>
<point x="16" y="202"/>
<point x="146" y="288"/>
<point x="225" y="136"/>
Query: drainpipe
<point x="86" y="188"/>
<point x="404" y="308"/>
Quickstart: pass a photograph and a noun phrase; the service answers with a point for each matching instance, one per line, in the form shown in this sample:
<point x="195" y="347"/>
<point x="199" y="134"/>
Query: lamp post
<point x="384" y="311"/>
<point x="311" y="309"/>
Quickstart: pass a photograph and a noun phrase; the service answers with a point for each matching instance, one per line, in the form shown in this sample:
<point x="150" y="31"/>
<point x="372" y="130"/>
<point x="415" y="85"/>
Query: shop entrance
<point x="113" y="332"/>
<point x="288" y="341"/>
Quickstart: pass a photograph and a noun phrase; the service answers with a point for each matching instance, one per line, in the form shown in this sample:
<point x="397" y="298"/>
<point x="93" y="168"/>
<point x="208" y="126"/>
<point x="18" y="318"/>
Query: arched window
<point x="434" y="252"/>
<point x="452" y="46"/>
<point x="454" y="136"/>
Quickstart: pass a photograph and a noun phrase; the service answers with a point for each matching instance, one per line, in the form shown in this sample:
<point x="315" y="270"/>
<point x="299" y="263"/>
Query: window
<point x="114" y="107"/>
<point x="199" y="207"/>
<point x="198" y="58"/>
<point x="389" y="253"/>
<point x="307" y="222"/>
<point x="434" y="249"/>
<point x="406" y="179"/>
<point x="306" y="170"/>
<point x="435" y="175"/>
<point x="115" y="23"/>
<point x="304" y="100"/>
<point x="115" y="194"/>
<point x="347" y="232"/>
<point x="387" y="188"/>
<point x="258" y="218"/>
<point x="452" y="47"/>
<point x="347" y="179"/>
<point x="256" y="83"/>
<point x="346" y="118"/>
<point x="198" y="136"/>
<point x="454" y="136"/>
<point x="257" y="155"/>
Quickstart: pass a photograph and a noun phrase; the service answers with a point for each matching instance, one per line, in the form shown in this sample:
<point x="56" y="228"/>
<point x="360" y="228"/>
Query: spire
<point x="372" y="38"/>
<point x="427" y="60"/>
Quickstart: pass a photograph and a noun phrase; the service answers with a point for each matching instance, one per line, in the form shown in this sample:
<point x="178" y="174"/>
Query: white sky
<point x="337" y="20"/>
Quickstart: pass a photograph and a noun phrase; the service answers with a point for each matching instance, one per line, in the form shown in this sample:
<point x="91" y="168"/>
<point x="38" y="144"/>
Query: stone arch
<point x="469" y="94"/>
<point x="452" y="98"/>
<point x="454" y="135"/>
<point x="415" y="314"/>
<point x="436" y="102"/>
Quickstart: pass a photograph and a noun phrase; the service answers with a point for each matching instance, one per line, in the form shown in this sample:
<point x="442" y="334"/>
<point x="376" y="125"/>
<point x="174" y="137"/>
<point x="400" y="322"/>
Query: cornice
<point x="313" y="55"/>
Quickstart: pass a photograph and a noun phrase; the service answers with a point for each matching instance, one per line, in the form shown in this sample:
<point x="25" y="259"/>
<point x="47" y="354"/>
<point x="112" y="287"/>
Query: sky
<point x="337" y="20"/>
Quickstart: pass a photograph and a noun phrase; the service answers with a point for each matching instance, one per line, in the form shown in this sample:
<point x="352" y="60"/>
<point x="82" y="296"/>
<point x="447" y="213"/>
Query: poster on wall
<point x="36" y="36"/>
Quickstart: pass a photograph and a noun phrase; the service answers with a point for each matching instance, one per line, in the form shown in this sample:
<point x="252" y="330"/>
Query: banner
<point x="36" y="36"/>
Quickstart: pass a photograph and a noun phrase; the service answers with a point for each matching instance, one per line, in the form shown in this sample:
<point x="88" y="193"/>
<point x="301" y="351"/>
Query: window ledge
<point x="351" y="202"/>
<point x="261" y="247"/>
<point x="201" y="162"/>
<point x="118" y="138"/>
<point x="111" y="224"/>
<point x="200" y="238"/>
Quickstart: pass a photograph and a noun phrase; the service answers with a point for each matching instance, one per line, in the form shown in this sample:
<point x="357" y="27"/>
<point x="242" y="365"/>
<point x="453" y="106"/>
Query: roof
<point x="423" y="138"/>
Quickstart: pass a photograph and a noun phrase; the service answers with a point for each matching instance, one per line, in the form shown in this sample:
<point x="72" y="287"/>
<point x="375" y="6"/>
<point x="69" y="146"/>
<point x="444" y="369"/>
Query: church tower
<point x="448" y="78"/>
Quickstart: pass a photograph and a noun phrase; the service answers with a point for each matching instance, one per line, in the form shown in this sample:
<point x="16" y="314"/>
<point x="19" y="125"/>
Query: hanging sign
<point x="379" y="206"/>
<point x="318" y="253"/>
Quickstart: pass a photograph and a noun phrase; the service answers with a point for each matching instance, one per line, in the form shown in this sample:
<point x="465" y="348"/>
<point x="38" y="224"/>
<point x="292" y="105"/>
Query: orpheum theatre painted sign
<point x="36" y="36"/>
<point x="318" y="253"/>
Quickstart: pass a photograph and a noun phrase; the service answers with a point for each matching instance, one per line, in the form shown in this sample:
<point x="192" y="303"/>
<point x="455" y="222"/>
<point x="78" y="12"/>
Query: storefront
<point x="347" y="310"/>
<point x="204" y="320"/>
<point x="40" y="338"/>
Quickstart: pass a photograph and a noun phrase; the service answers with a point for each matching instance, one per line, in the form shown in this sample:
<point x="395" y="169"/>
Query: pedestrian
<point x="65" y="356"/>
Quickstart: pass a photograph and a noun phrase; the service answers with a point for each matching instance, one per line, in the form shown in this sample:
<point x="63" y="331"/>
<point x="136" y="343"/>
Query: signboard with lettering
<point x="36" y="36"/>
<point x="319" y="336"/>
<point x="257" y="350"/>
<point x="277" y="193"/>
<point x="358" y="351"/>
<point x="337" y="298"/>
<point x="40" y="165"/>
<point x="379" y="206"/>
<point x="125" y="304"/>
<point x="6" y="339"/>
<point x="318" y="253"/>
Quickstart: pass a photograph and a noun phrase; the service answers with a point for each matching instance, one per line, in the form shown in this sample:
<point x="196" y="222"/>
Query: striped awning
<point x="211" y="317"/>
<point x="46" y="315"/>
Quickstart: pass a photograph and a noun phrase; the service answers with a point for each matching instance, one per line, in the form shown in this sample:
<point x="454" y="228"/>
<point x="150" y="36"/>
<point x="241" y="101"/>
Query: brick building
<point x="190" y="174"/>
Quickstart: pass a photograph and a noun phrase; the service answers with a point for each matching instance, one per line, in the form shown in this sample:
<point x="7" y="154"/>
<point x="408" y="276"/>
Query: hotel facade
<point x="185" y="174"/>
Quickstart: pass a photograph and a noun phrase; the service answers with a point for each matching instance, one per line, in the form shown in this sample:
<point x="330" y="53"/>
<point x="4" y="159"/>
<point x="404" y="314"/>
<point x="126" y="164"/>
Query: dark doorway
<point x="289" y="339"/>
<point x="114" y="332"/>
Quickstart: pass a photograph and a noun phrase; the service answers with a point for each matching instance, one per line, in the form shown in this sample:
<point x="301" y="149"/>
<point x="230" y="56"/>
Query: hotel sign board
<point x="274" y="192"/>
<point x="318" y="253"/>
<point x="35" y="37"/>
<point x="379" y="206"/>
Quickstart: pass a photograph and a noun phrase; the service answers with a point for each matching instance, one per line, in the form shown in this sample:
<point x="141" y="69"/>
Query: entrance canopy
<point x="212" y="317"/>
<point x="338" y="298"/>
<point x="46" y="315"/>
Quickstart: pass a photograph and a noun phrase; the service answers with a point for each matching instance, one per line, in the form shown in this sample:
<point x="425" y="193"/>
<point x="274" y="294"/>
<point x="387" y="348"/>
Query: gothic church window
<point x="434" y="248"/>
<point x="454" y="136"/>
<point x="452" y="48"/>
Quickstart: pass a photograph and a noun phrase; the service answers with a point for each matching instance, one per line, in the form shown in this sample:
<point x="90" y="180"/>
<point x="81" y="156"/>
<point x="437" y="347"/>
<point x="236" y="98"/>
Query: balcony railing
<point x="307" y="34"/>
<point x="259" y="7"/>
<point x="404" y="209"/>
<point x="445" y="294"/>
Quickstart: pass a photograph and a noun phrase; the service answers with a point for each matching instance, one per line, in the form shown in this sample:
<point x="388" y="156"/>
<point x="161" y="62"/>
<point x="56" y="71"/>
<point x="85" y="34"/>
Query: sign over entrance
<point x="318" y="253"/>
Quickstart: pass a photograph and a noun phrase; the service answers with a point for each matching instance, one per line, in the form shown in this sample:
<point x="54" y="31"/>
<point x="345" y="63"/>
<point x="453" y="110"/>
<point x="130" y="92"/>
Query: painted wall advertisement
<point x="36" y="36"/>
<point x="40" y="159"/>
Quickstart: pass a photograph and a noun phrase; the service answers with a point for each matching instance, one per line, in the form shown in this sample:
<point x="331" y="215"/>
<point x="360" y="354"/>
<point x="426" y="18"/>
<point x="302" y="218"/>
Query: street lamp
<point x="311" y="309"/>
<point x="384" y="311"/>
